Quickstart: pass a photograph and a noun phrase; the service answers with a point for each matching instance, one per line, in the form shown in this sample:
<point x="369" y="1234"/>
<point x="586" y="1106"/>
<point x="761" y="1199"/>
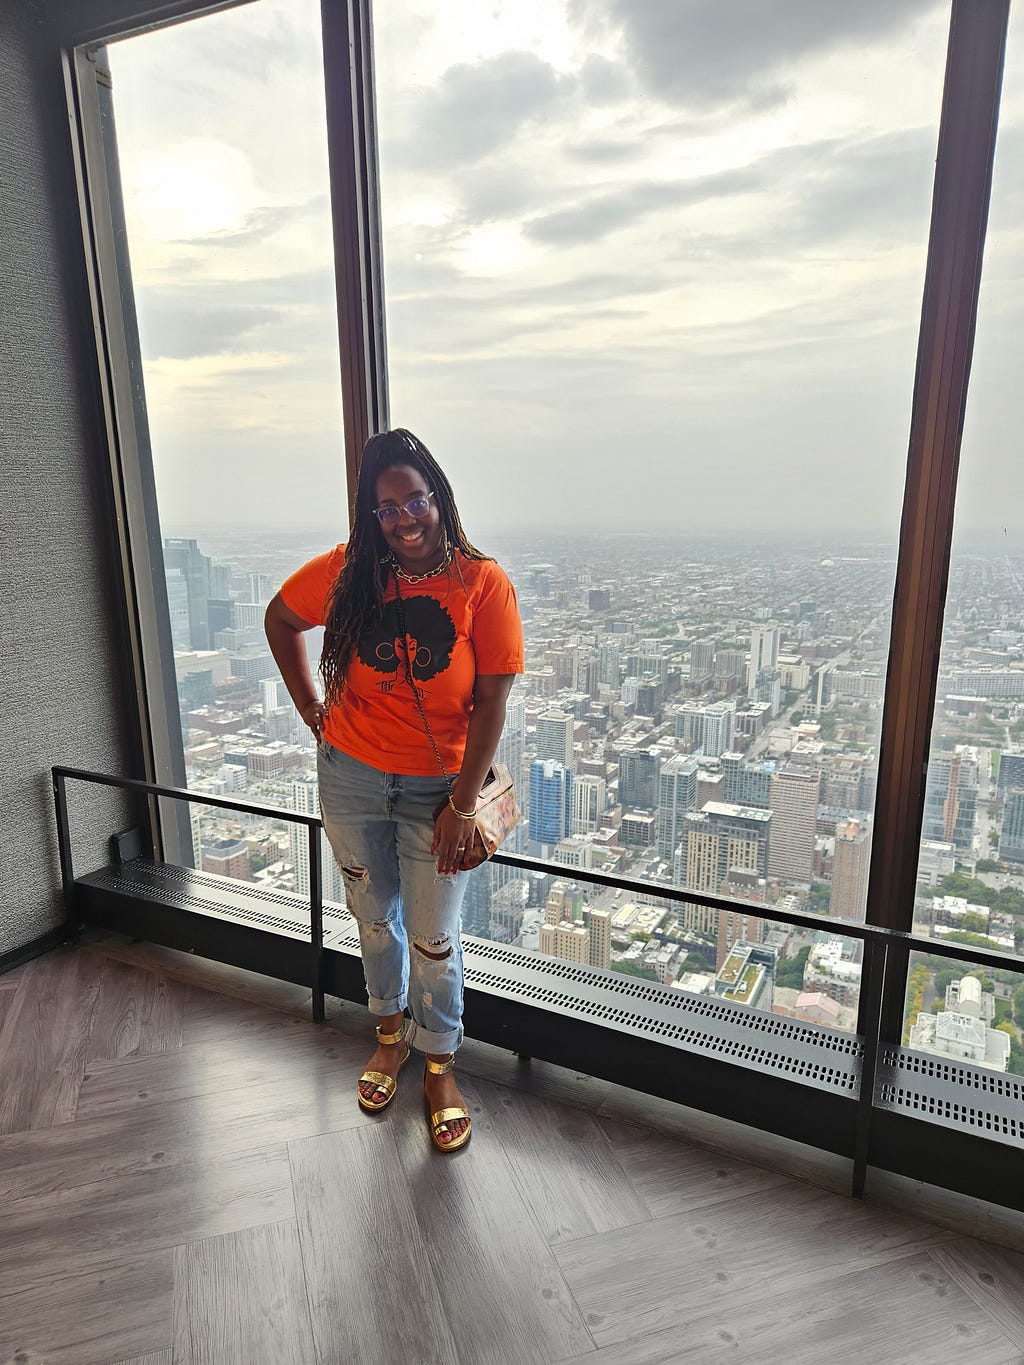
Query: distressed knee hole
<point x="442" y="944"/>
<point x="357" y="876"/>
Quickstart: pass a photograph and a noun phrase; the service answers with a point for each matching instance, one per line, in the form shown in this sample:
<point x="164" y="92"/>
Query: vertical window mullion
<point x="352" y="157"/>
<point x="963" y="178"/>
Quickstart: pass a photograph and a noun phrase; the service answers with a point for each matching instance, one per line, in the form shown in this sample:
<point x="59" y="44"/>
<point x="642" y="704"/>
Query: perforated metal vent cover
<point x="745" y="1037"/>
<point x="970" y="1098"/>
<point x="204" y="893"/>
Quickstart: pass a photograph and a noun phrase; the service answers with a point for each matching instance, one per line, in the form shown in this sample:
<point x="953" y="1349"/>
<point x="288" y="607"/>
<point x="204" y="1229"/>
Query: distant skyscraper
<point x="702" y="660"/>
<point x="177" y="604"/>
<point x="1011" y="774"/>
<point x="708" y="728"/>
<point x="764" y="653"/>
<point x="677" y="793"/>
<point x="599" y="599"/>
<point x="306" y="800"/>
<point x="550" y="801"/>
<point x="588" y="803"/>
<point x="510" y="752"/>
<point x="1011" y="835"/>
<point x="186" y="557"/>
<point x="721" y="840"/>
<point x="638" y="778"/>
<point x="850" y="865"/>
<point x="747" y="784"/>
<point x="794" y="807"/>
<point x="554" y="737"/>
<point x="609" y="657"/>
<point x="951" y="797"/>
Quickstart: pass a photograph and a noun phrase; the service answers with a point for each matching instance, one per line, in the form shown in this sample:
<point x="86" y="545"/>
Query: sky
<point x="647" y="263"/>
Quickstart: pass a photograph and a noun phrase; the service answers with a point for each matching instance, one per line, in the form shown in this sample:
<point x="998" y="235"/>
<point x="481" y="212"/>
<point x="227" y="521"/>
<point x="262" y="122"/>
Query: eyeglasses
<point x="417" y="508"/>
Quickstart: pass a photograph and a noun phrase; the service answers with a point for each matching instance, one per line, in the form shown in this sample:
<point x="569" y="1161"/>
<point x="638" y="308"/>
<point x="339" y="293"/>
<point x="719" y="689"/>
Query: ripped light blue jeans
<point x="380" y="827"/>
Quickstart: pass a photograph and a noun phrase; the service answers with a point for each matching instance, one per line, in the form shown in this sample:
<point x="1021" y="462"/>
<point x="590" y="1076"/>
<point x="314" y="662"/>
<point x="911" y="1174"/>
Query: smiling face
<point x="416" y="542"/>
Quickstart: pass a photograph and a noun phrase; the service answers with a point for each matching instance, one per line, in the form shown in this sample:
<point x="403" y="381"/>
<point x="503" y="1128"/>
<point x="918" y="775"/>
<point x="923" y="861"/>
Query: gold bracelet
<point x="463" y="814"/>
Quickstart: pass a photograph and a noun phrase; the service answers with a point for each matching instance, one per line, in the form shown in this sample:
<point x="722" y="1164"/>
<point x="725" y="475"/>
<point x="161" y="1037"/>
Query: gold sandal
<point x="440" y="1118"/>
<point x="381" y="1079"/>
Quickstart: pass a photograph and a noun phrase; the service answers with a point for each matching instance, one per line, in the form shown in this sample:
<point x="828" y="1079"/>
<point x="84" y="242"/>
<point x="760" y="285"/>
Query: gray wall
<point x="65" y="685"/>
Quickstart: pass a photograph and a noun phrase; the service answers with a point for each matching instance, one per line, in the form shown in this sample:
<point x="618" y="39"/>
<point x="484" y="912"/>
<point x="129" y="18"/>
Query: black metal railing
<point x="886" y="951"/>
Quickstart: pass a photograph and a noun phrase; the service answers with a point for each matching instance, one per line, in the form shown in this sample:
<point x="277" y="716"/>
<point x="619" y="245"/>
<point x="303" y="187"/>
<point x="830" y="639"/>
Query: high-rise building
<point x="677" y="794"/>
<point x="550" y="802"/>
<point x="710" y="728"/>
<point x="1011" y="834"/>
<point x="186" y="558"/>
<point x="554" y="737"/>
<point x="730" y="663"/>
<point x="820" y="694"/>
<point x="306" y="800"/>
<point x="747" y="784"/>
<point x="599" y="922"/>
<point x="721" y="840"/>
<point x="951" y="797"/>
<point x="794" y="808"/>
<point x="1011" y="774"/>
<point x="609" y="659"/>
<point x="599" y="599"/>
<point x="702" y="660"/>
<point x="638" y="778"/>
<point x="764" y="654"/>
<point x="177" y="604"/>
<point x="850" y="863"/>
<point x="588" y="803"/>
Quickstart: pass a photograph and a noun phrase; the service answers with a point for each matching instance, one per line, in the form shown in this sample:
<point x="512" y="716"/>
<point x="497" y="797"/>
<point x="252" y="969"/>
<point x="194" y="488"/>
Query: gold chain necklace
<point x="420" y="577"/>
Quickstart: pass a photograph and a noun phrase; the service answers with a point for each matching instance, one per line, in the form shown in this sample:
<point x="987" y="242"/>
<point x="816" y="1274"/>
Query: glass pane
<point x="971" y="866"/>
<point x="653" y="287"/>
<point x="221" y="140"/>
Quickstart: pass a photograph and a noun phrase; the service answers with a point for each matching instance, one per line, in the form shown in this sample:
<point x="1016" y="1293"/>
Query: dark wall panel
<point x="65" y="683"/>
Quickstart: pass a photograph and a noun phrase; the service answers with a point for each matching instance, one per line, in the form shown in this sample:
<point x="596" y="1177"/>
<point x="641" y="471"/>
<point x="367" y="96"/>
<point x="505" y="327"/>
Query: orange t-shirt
<point x="456" y="627"/>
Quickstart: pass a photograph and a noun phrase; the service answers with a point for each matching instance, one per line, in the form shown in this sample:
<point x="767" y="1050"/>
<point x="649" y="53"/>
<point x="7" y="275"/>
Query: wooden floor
<point x="185" y="1176"/>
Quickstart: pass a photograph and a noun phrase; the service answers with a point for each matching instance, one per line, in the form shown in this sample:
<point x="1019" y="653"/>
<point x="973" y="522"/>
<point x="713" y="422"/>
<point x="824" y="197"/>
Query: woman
<point x="407" y="601"/>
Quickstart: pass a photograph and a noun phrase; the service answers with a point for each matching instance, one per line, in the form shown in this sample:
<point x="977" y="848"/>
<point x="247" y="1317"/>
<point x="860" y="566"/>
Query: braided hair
<point x="356" y="601"/>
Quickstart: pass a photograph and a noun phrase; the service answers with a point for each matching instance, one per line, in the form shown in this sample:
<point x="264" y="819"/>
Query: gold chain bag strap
<point x="497" y="810"/>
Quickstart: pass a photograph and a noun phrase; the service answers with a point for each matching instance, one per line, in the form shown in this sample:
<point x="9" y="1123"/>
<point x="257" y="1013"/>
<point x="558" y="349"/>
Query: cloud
<point x="813" y="192"/>
<point x="705" y="52"/>
<point x="480" y="107"/>
<point x="176" y="326"/>
<point x="602" y="214"/>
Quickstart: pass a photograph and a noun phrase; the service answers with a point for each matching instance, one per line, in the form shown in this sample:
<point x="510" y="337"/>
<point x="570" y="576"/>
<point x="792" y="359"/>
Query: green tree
<point x="821" y="894"/>
<point x="974" y="940"/>
<point x="943" y="980"/>
<point x="635" y="969"/>
<point x="974" y="923"/>
<point x="987" y="865"/>
<point x="790" y="973"/>
<point x="1017" y="995"/>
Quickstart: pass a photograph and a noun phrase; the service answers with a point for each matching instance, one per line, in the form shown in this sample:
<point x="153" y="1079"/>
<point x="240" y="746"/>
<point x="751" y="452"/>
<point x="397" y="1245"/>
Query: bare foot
<point x="443" y="1093"/>
<point x="388" y="1058"/>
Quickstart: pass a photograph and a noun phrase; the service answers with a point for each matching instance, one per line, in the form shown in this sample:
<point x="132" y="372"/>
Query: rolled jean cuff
<point x="429" y="1040"/>
<point x="395" y="1005"/>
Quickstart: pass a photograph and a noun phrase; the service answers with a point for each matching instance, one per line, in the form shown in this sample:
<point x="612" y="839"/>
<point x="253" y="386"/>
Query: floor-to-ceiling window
<point x="653" y="283"/>
<point x="221" y="141"/>
<point x="971" y="866"/>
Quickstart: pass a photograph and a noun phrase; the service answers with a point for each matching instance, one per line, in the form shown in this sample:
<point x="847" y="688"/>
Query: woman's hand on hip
<point x="313" y="714"/>
<point x="453" y="836"/>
